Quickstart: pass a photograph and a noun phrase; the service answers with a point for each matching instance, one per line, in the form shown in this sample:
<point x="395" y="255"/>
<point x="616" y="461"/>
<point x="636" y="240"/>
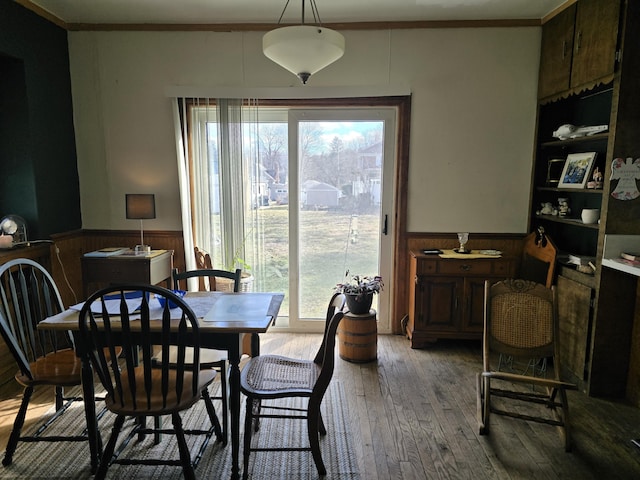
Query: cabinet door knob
<point x="465" y="267"/>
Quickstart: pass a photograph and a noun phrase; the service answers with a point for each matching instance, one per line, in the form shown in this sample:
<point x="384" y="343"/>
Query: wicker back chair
<point x="136" y="386"/>
<point x="520" y="321"/>
<point x="267" y="378"/>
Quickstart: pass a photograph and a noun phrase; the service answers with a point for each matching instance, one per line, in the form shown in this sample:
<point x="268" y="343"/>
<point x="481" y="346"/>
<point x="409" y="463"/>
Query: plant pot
<point x="359" y="305"/>
<point x="226" y="284"/>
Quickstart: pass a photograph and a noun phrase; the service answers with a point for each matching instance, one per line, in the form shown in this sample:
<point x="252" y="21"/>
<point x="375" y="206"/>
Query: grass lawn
<point x="328" y="248"/>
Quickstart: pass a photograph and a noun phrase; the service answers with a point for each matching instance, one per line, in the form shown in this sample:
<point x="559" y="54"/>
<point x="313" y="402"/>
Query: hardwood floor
<point x="413" y="416"/>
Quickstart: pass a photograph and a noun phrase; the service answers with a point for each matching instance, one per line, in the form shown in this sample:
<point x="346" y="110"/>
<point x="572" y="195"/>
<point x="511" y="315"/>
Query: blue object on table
<point x="162" y="300"/>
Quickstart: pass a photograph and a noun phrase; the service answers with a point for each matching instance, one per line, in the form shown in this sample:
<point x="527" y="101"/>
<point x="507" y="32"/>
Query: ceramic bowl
<point x="590" y="215"/>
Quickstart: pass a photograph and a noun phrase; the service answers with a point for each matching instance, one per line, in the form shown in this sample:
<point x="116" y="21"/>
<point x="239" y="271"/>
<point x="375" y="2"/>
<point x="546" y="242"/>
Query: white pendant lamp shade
<point x="303" y="49"/>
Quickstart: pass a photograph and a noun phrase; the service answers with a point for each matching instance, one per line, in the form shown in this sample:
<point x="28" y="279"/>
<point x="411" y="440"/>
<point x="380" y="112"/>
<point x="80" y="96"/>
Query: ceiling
<point x="268" y="11"/>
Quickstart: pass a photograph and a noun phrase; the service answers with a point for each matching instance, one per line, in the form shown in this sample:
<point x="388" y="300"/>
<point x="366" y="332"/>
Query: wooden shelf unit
<point x="598" y="316"/>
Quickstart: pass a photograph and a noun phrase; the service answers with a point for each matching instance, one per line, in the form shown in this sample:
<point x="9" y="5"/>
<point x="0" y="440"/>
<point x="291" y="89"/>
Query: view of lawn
<point x="328" y="248"/>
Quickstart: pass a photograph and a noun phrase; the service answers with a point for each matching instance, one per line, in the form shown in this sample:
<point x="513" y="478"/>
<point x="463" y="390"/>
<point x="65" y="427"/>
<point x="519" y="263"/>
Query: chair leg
<point x="157" y="425"/>
<point x="480" y="400"/>
<point x="248" y="421"/>
<point x="185" y="456"/>
<point x="212" y="416"/>
<point x="109" y="449"/>
<point x="224" y="375"/>
<point x="142" y="421"/>
<point x="257" y="407"/>
<point x="321" y="427"/>
<point x="313" y="422"/>
<point x="59" y="398"/>
<point x="17" y="427"/>
<point x="566" y="424"/>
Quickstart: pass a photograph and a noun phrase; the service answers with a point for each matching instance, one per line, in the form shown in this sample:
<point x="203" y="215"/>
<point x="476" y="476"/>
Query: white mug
<point x="590" y="215"/>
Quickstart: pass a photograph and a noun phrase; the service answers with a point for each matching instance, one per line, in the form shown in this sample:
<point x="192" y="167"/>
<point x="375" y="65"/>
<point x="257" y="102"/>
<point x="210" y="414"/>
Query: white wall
<point x="472" y="125"/>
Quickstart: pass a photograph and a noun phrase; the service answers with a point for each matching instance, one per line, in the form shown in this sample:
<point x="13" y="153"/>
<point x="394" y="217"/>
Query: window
<point x="295" y="197"/>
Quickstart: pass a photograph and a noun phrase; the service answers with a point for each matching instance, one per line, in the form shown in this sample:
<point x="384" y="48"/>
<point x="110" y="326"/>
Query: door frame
<point x="386" y="115"/>
<point x="398" y="282"/>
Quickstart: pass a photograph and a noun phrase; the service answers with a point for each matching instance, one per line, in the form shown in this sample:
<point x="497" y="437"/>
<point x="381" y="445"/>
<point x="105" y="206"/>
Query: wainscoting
<point x="73" y="245"/>
<point x="62" y="259"/>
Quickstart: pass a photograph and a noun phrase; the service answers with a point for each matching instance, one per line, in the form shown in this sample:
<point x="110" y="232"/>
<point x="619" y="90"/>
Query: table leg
<point x="255" y="345"/>
<point x="234" y="404"/>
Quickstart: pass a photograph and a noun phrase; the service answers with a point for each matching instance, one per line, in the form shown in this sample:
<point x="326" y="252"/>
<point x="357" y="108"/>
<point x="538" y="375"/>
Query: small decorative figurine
<point x="563" y="207"/>
<point x="597" y="177"/>
<point x="547" y="209"/>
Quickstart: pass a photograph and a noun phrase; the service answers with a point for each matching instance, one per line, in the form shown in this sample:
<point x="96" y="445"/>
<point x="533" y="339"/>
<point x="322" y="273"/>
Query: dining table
<point x="224" y="318"/>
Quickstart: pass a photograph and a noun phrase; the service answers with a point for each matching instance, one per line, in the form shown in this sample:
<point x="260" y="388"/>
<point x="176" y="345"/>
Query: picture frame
<point x="577" y="169"/>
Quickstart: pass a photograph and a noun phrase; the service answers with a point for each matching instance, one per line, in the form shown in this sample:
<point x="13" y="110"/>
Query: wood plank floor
<point x="413" y="416"/>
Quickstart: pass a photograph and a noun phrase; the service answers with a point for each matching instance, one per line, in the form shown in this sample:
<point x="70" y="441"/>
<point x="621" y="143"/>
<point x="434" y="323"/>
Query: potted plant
<point x="359" y="292"/>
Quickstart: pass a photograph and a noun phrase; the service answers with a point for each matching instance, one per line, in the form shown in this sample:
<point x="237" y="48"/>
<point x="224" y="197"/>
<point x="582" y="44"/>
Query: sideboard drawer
<point x="427" y="267"/>
<point x="466" y="267"/>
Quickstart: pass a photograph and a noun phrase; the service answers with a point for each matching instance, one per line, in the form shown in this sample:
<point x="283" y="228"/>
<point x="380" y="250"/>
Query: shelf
<point x="570" y="190"/>
<point x="598" y="137"/>
<point x="614" y="245"/>
<point x="615" y="264"/>
<point x="569" y="221"/>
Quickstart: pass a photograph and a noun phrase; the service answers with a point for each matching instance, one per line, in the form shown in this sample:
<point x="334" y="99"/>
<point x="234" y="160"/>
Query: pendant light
<point x="303" y="49"/>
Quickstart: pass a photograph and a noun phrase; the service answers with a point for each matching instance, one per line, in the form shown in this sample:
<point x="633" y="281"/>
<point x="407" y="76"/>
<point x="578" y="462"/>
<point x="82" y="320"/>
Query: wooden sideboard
<point x="446" y="297"/>
<point x="98" y="272"/>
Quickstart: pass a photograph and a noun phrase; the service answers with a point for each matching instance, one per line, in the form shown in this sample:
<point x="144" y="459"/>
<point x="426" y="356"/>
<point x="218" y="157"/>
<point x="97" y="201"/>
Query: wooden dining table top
<point x="217" y="312"/>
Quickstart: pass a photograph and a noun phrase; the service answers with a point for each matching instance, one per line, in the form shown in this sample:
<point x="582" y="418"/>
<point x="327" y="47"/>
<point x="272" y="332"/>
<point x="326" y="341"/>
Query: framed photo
<point x="577" y="169"/>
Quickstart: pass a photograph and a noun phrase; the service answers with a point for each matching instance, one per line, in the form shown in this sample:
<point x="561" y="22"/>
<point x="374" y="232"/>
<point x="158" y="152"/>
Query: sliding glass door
<point x="298" y="198"/>
<point x="341" y="163"/>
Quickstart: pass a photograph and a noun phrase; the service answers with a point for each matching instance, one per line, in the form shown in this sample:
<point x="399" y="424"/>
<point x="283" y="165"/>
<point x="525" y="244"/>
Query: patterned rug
<point x="44" y="460"/>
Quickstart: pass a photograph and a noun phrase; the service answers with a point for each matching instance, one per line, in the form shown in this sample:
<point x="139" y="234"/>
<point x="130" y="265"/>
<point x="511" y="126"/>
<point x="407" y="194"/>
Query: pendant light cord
<point x="314" y="11"/>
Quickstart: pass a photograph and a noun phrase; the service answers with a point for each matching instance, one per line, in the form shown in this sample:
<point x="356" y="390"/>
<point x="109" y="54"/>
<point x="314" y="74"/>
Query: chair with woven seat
<point x="135" y="386"/>
<point x="538" y="265"/>
<point x="28" y="295"/>
<point x="267" y="378"/>
<point x="521" y="321"/>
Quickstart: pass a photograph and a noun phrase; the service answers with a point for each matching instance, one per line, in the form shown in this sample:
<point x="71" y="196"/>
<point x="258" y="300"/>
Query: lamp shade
<point x="141" y="206"/>
<point x="303" y="49"/>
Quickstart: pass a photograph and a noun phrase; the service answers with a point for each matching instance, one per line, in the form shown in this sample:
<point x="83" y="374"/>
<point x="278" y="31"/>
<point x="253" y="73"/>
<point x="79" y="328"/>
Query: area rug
<point x="44" y="460"/>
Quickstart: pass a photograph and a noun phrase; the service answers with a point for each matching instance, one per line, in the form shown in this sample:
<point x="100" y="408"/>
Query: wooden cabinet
<point x="579" y="46"/>
<point x="595" y="40"/>
<point x="555" y="53"/>
<point x="592" y="107"/>
<point x="598" y="313"/>
<point x="574" y="315"/>
<point x="98" y="272"/>
<point x="447" y="296"/>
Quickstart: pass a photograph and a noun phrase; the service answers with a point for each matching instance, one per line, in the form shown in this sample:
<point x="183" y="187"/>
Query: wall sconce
<point x="141" y="206"/>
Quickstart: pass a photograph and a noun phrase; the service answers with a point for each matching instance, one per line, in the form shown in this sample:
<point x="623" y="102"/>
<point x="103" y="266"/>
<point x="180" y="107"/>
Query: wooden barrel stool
<point x="358" y="337"/>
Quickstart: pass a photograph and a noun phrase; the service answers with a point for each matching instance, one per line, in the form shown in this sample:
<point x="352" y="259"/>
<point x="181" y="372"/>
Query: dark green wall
<point x="38" y="164"/>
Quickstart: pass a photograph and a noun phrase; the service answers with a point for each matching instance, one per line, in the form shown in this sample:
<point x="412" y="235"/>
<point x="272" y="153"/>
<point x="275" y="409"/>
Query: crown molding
<point x="258" y="27"/>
